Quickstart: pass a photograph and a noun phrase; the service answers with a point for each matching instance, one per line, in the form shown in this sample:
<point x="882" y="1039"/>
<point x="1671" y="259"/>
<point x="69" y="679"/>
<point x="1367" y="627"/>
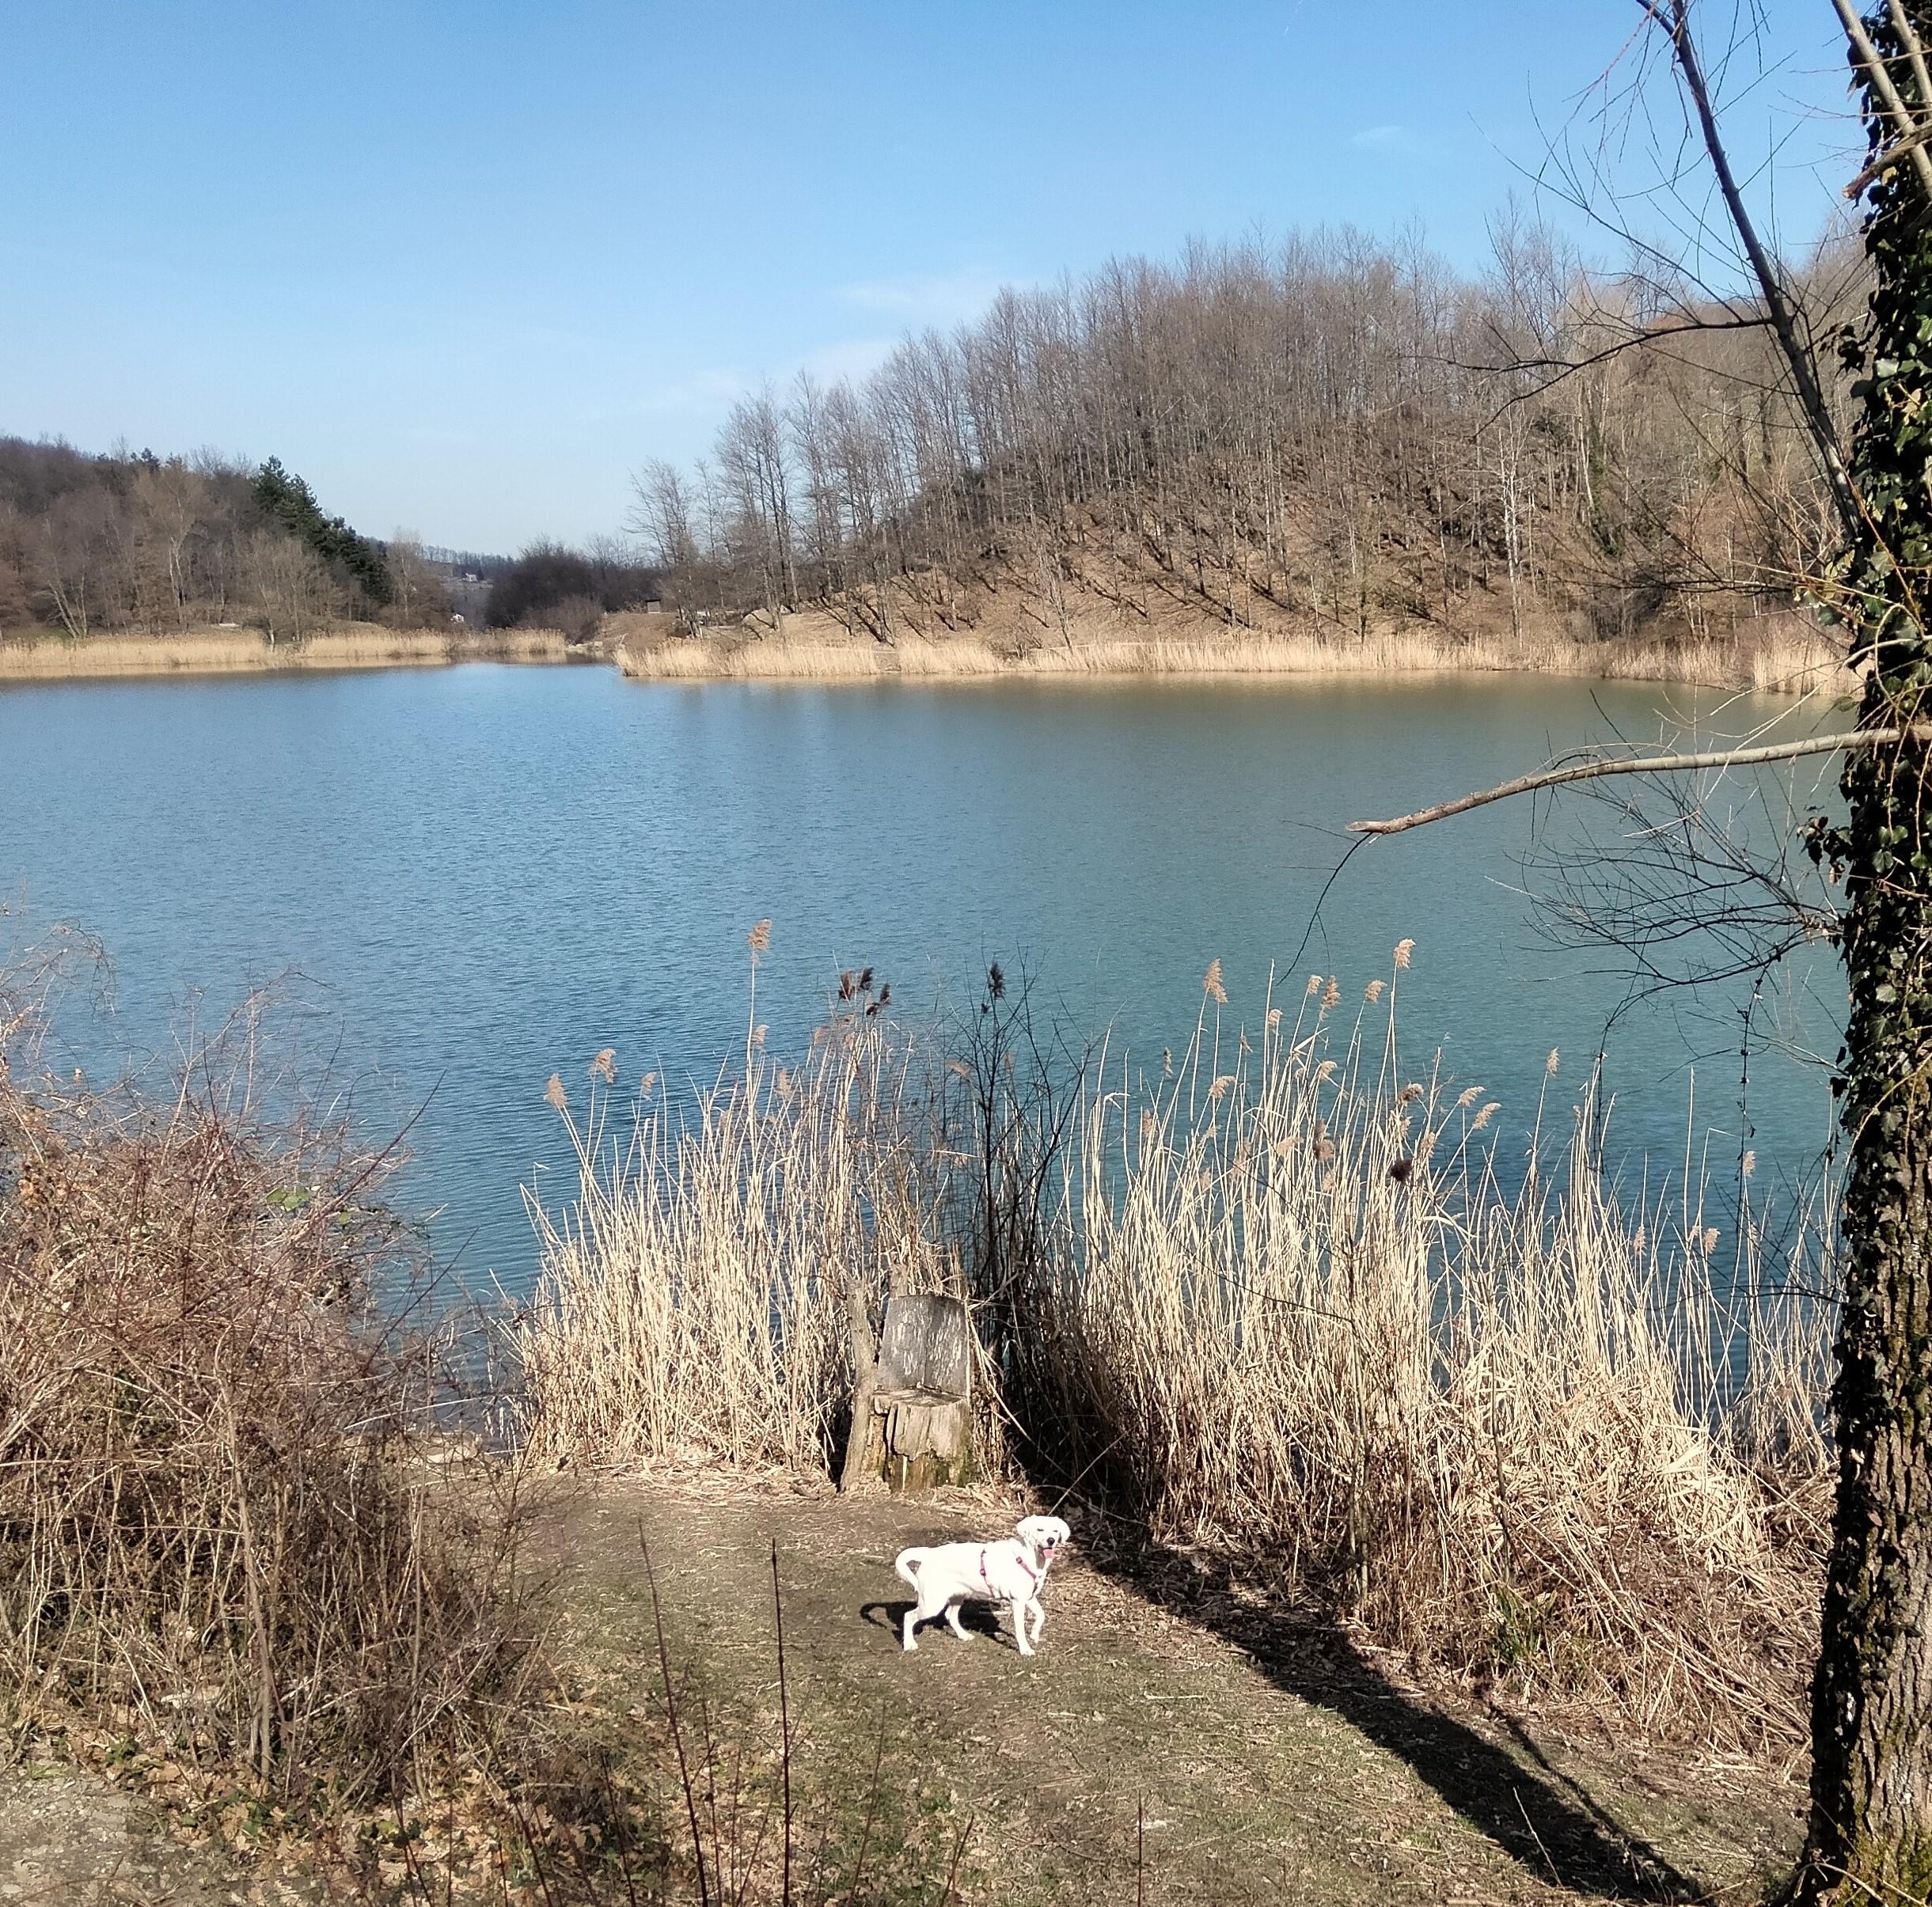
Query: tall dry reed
<point x="1782" y="654"/>
<point x="698" y="1298"/>
<point x="1519" y="1430"/>
<point x="248" y="652"/>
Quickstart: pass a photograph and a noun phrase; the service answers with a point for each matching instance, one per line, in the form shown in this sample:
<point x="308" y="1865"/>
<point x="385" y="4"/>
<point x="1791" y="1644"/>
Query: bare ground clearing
<point x="1270" y="1759"/>
<point x="1253" y="1756"/>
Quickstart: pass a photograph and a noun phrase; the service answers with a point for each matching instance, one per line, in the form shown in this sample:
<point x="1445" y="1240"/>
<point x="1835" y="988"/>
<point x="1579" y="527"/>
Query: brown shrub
<point x="221" y="1525"/>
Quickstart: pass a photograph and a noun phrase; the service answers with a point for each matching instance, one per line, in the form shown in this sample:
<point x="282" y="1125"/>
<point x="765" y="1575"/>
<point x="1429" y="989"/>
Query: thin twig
<point x="670" y="1710"/>
<point x="1673" y="18"/>
<point x="952" y="1873"/>
<point x="872" y="1811"/>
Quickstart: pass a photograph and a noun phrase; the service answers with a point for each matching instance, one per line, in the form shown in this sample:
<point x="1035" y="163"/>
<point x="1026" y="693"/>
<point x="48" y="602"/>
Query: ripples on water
<point x="466" y="878"/>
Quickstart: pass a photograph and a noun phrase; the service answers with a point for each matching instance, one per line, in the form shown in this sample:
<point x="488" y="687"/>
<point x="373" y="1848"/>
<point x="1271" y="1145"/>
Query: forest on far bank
<point x="1340" y="430"/>
<point x="131" y="541"/>
<point x="1338" y="434"/>
<point x="91" y="545"/>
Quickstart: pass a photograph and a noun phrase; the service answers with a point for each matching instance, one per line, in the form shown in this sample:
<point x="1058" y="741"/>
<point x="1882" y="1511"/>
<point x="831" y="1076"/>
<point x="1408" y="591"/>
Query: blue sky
<point x="466" y="266"/>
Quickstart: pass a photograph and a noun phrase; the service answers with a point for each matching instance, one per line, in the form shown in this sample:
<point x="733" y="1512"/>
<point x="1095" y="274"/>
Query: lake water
<point x="468" y="877"/>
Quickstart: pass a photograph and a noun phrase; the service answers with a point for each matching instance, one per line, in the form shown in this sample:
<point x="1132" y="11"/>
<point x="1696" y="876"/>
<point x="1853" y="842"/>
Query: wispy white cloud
<point x="701" y="390"/>
<point x="907" y="303"/>
<point x="939" y="298"/>
<point x="852" y="358"/>
<point x="1400" y="141"/>
<point x="709" y="392"/>
<point x="700" y="394"/>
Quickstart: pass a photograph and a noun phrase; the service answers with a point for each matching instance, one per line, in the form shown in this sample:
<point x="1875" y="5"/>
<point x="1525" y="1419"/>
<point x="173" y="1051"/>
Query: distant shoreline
<point x="1777" y="655"/>
<point x="1780" y="655"/>
<point x="224" y="652"/>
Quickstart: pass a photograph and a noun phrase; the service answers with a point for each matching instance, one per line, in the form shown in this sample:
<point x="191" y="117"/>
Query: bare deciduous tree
<point x="1870" y="1832"/>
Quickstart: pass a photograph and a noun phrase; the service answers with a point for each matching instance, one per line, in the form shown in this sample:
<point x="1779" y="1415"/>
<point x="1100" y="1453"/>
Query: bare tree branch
<point x="1882" y="81"/>
<point x="1888" y="158"/>
<point x="1651" y="765"/>
<point x="1673" y="16"/>
<point x="1638" y="340"/>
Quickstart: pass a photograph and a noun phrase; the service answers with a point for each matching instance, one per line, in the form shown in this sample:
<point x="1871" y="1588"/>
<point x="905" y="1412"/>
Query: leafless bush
<point x="222" y="1531"/>
<point x="577" y="616"/>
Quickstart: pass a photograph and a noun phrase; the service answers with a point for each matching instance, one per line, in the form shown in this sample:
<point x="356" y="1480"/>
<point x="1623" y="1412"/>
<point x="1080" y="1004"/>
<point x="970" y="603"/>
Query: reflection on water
<point x="482" y="874"/>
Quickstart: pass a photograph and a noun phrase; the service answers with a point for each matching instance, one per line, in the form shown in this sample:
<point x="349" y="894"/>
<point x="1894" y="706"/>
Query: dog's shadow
<point x="977" y="1618"/>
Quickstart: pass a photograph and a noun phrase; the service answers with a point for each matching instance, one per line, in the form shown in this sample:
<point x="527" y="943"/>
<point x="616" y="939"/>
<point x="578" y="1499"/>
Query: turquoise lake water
<point x="462" y="879"/>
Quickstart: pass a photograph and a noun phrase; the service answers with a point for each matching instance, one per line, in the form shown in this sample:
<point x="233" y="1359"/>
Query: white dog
<point x="1013" y="1572"/>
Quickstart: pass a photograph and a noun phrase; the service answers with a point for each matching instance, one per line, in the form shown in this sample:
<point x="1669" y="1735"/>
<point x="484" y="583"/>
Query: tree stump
<point x="912" y="1423"/>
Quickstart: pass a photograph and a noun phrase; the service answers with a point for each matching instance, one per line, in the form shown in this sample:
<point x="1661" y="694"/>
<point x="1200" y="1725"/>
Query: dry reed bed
<point x="1530" y="1434"/>
<point x="1282" y="1309"/>
<point x="697" y="1295"/>
<point x="1783" y="655"/>
<point x="247" y="652"/>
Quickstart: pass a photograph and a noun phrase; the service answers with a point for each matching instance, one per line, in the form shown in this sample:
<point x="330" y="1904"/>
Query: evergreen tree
<point x="288" y="499"/>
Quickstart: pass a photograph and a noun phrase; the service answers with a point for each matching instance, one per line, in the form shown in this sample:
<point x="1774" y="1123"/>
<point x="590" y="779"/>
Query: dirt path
<point x="1265" y="1762"/>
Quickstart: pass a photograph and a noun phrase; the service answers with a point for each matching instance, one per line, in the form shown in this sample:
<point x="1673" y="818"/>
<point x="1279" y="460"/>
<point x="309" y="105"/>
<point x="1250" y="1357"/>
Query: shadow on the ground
<point x="1544" y="1818"/>
<point x="981" y="1618"/>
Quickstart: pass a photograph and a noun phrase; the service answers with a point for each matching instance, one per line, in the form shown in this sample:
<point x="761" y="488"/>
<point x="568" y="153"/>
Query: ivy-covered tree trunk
<point x="1871" y="1818"/>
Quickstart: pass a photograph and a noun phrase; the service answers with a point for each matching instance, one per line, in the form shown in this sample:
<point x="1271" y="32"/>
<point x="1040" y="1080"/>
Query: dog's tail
<point x="906" y="1563"/>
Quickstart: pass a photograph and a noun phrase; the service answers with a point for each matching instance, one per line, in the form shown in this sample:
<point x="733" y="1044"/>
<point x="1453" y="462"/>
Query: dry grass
<point x="1283" y="1310"/>
<point x="1782" y="654"/>
<point x="1533" y="1434"/>
<point x="695" y="1300"/>
<point x="223" y="1542"/>
<point x="246" y="652"/>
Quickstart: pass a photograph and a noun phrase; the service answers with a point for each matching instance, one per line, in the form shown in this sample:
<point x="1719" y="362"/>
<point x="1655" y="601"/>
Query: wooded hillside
<point x="134" y="542"/>
<point x="1340" y="430"/>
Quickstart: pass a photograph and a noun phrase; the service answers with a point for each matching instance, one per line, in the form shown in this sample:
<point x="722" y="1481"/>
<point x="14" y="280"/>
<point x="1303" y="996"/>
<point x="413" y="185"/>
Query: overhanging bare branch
<point x="1651" y="765"/>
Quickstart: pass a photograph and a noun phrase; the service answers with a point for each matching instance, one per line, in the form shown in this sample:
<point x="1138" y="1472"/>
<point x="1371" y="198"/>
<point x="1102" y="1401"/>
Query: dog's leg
<point x="952" y="1615"/>
<point x="923" y="1610"/>
<point x="1019" y="1628"/>
<point x="1039" y="1616"/>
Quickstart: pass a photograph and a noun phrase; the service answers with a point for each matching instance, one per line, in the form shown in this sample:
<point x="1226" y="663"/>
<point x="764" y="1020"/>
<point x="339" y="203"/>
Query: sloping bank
<point x="249" y="652"/>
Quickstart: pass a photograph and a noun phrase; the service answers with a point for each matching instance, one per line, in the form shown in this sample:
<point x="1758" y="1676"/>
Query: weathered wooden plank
<point x="928" y="1345"/>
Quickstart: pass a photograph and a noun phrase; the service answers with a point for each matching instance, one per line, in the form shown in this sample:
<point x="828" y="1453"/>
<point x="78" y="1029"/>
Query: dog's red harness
<point x="1032" y="1575"/>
